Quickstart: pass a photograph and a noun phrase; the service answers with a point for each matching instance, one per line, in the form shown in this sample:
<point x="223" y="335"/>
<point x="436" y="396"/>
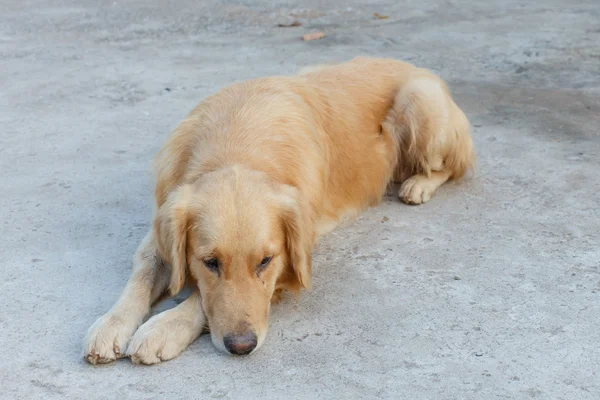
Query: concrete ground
<point x="491" y="290"/>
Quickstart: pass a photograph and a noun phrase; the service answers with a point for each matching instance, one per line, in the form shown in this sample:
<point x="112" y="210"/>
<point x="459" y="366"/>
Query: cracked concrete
<point x="491" y="290"/>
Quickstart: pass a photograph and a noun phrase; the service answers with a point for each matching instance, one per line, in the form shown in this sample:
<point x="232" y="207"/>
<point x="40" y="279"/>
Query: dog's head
<point x="241" y="236"/>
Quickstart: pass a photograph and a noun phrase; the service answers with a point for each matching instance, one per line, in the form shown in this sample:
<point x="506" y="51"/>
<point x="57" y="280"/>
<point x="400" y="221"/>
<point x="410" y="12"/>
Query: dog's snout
<point x="240" y="344"/>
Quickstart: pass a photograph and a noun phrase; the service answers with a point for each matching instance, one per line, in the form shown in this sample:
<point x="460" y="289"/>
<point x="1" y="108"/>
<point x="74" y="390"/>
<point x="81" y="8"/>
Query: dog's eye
<point x="212" y="264"/>
<point x="265" y="261"/>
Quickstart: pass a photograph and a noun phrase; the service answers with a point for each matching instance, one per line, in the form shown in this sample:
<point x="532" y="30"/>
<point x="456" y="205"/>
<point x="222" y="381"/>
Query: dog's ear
<point x="299" y="235"/>
<point x="171" y="225"/>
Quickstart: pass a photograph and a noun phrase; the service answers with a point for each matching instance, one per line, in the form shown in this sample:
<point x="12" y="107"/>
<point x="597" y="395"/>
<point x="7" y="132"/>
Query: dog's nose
<point x="240" y="344"/>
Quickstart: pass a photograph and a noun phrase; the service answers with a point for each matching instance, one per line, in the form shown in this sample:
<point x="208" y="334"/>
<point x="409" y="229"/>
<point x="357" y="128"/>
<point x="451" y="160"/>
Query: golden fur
<point x="263" y="169"/>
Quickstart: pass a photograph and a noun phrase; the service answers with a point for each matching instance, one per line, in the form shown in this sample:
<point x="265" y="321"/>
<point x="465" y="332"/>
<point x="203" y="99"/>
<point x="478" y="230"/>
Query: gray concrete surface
<point x="491" y="291"/>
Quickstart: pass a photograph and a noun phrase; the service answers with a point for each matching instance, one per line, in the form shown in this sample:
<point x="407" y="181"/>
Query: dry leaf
<point x="379" y="16"/>
<point x="313" y="36"/>
<point x="290" y="25"/>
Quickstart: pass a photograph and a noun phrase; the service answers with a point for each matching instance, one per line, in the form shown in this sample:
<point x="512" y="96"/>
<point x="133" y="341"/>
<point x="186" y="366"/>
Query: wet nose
<point x="240" y="344"/>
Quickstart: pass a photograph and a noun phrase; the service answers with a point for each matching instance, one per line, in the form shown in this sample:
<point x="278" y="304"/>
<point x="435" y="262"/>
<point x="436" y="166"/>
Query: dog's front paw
<point x="416" y="190"/>
<point x="107" y="338"/>
<point x="163" y="337"/>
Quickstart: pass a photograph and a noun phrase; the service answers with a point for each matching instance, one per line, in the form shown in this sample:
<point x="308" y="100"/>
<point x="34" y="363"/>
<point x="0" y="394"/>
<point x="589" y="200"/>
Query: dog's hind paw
<point x="416" y="190"/>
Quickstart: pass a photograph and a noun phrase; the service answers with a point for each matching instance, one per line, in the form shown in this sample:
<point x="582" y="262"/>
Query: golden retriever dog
<point x="251" y="179"/>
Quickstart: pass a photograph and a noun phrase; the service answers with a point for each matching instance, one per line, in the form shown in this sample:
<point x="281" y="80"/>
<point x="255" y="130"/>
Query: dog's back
<point x="339" y="133"/>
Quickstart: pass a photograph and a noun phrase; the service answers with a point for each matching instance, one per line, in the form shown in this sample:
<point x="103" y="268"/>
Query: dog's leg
<point x="108" y="337"/>
<point x="166" y="335"/>
<point x="433" y="136"/>
<point x="418" y="189"/>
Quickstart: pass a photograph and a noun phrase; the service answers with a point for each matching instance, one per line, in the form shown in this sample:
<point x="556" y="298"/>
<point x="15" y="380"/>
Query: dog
<point x="254" y="176"/>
